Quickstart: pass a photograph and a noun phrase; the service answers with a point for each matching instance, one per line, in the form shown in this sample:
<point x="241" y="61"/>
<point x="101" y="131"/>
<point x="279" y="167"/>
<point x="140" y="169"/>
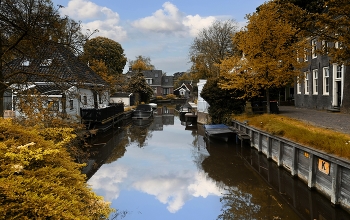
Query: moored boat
<point x="143" y="111"/>
<point x="219" y="132"/>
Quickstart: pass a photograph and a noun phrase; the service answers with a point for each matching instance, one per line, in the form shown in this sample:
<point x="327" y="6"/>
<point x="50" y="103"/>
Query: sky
<point x="159" y="29"/>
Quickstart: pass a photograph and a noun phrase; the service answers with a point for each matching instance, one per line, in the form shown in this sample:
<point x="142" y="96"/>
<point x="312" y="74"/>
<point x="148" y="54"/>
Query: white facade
<point x="202" y="105"/>
<point x="75" y="99"/>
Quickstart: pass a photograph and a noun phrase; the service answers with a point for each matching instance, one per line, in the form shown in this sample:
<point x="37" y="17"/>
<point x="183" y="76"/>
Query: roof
<point x="187" y="87"/>
<point x="121" y="94"/>
<point x="156" y="75"/>
<point x="52" y="63"/>
<point x="167" y="81"/>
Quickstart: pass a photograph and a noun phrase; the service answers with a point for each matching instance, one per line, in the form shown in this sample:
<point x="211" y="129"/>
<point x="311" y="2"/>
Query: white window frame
<point x="298" y="85"/>
<point x="314" y="48"/>
<point x="306" y="83"/>
<point x="325" y="80"/>
<point x="149" y="81"/>
<point x="306" y="58"/>
<point x="339" y="72"/>
<point x="325" y="46"/>
<point x="315" y="81"/>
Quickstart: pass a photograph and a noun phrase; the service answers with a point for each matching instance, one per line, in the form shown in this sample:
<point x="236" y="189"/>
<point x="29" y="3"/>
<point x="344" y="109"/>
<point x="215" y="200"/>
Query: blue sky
<point x="162" y="30"/>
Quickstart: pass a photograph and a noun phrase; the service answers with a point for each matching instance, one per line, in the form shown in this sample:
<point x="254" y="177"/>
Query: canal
<point x="165" y="169"/>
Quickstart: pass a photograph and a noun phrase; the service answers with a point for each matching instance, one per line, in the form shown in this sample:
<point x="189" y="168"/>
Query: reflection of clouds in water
<point x="176" y="190"/>
<point x="152" y="170"/>
<point x="204" y="186"/>
<point x="107" y="180"/>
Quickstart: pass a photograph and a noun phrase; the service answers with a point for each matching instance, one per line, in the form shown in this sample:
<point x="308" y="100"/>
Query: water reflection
<point x="163" y="170"/>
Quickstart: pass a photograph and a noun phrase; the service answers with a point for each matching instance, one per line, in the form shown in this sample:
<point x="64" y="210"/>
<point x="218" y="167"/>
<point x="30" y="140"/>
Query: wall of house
<point x="79" y="101"/>
<point x="125" y="100"/>
<point x="321" y="100"/>
<point x="346" y="94"/>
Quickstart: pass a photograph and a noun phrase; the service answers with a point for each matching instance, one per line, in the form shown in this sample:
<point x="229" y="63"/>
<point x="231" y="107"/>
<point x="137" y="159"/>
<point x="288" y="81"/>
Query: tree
<point x="102" y="49"/>
<point x="212" y="45"/>
<point x="38" y="178"/>
<point x="222" y="102"/>
<point x="25" y="26"/>
<point x="269" y="45"/>
<point x="141" y="63"/>
<point x="138" y="84"/>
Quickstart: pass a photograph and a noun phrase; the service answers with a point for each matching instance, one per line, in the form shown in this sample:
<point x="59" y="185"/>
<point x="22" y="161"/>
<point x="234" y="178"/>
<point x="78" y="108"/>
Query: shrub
<point x="170" y="96"/>
<point x="39" y="179"/>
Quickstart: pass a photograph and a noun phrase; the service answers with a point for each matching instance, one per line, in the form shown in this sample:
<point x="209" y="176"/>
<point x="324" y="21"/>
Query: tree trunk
<point x="2" y="92"/>
<point x="268" y="110"/>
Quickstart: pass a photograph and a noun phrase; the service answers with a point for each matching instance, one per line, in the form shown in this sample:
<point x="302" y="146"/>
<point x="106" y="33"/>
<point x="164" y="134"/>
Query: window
<point x="53" y="105"/>
<point x="149" y="81"/>
<point x="71" y="106"/>
<point x="315" y="82"/>
<point x="339" y="71"/>
<point x="306" y="51"/>
<point x="84" y="100"/>
<point x="326" y="81"/>
<point x="298" y="85"/>
<point x="165" y="91"/>
<point x="306" y="83"/>
<point x="314" y="48"/>
<point x="325" y="47"/>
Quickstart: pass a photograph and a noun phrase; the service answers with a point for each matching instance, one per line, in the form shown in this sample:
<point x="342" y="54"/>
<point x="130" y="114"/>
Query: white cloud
<point x="196" y="23"/>
<point x="108" y="181"/>
<point x="95" y="17"/>
<point x="170" y="19"/>
<point x="174" y="191"/>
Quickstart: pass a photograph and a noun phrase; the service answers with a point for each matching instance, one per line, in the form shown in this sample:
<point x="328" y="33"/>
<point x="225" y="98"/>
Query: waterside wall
<point x="328" y="174"/>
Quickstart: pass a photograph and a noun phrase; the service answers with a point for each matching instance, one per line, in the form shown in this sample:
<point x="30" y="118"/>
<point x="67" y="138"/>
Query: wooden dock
<point x="219" y="131"/>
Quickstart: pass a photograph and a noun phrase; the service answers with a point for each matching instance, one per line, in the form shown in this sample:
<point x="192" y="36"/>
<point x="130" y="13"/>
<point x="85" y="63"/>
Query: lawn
<point x="329" y="141"/>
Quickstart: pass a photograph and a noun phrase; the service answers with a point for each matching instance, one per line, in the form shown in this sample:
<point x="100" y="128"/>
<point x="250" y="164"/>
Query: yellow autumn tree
<point x="39" y="179"/>
<point x="269" y="46"/>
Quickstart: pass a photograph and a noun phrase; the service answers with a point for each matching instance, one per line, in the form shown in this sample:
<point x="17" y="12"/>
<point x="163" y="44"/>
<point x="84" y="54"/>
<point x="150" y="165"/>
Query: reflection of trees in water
<point x="139" y="134"/>
<point x="237" y="204"/>
<point x="259" y="203"/>
<point x="246" y="195"/>
<point x="119" y="149"/>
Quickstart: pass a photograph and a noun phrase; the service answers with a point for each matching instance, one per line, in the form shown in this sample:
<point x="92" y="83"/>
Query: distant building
<point x="161" y="84"/>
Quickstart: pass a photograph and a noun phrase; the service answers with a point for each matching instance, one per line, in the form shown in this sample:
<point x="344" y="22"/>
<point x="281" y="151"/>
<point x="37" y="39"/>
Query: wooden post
<point x="294" y="168"/>
<point x="312" y="172"/>
<point x="268" y="152"/>
<point x="260" y="143"/>
<point x="335" y="174"/>
<point x="252" y="141"/>
<point x="280" y="154"/>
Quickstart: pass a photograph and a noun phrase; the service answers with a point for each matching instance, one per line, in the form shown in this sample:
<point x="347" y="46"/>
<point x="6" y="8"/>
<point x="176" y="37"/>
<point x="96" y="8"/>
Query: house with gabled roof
<point x="57" y="74"/>
<point x="184" y="90"/>
<point x="161" y="84"/>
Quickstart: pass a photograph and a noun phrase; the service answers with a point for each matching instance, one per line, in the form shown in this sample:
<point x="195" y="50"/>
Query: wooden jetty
<point x="219" y="131"/>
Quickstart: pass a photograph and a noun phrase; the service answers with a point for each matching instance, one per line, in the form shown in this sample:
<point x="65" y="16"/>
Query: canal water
<point x="166" y="169"/>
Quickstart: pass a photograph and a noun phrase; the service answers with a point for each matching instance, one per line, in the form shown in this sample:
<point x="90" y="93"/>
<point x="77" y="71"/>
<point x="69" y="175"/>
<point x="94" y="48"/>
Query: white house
<point x="58" y="76"/>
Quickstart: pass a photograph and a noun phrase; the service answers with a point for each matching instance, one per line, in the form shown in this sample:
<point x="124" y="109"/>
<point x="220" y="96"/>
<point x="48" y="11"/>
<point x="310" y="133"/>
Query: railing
<point x="100" y="115"/>
<point x="328" y="174"/>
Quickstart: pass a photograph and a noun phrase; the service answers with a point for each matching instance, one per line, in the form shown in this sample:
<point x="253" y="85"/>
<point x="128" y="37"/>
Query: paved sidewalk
<point x="329" y="120"/>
